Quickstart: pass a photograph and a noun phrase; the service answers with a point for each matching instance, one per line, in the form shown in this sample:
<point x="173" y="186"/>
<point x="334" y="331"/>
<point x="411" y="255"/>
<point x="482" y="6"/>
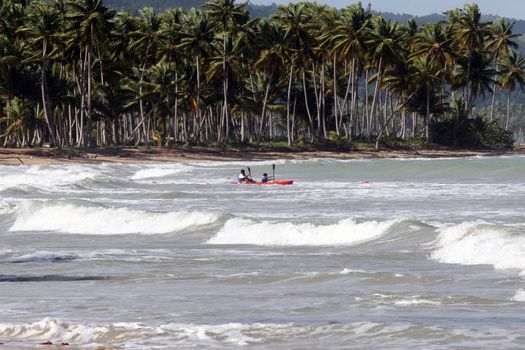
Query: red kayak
<point x="278" y="182"/>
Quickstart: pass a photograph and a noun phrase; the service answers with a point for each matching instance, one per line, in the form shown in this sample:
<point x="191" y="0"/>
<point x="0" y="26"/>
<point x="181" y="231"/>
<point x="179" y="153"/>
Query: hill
<point x="266" y="10"/>
<point x="133" y="6"/>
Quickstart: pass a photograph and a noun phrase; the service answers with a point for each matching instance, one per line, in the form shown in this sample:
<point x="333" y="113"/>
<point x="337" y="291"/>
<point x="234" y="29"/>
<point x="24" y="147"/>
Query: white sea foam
<point x="136" y="335"/>
<point x="6" y="207"/>
<point x="132" y="335"/>
<point x="401" y="300"/>
<point x="161" y="171"/>
<point x="45" y="176"/>
<point x="345" y="232"/>
<point x="519" y="296"/>
<point x="70" y="218"/>
<point x="479" y="243"/>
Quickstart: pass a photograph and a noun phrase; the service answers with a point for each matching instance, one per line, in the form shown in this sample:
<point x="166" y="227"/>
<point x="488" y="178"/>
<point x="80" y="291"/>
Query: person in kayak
<point x="243" y="177"/>
<point x="266" y="178"/>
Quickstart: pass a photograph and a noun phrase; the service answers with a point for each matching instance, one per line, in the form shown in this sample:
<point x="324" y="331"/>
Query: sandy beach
<point x="16" y="156"/>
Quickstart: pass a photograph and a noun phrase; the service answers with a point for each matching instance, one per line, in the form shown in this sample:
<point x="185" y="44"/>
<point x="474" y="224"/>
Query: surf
<point x="344" y="232"/>
<point x="74" y="218"/>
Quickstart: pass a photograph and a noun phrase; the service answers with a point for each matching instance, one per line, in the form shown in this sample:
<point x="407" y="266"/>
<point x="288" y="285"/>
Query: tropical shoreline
<point x="28" y="156"/>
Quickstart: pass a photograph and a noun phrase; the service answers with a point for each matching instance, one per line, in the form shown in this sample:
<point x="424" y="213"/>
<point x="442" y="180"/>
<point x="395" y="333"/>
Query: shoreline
<point x="30" y="156"/>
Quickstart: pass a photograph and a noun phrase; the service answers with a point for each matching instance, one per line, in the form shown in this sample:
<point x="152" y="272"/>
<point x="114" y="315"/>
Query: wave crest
<point x="479" y="243"/>
<point x="345" y="232"/>
<point x="45" y="177"/>
<point x="160" y="171"/>
<point x="70" y="218"/>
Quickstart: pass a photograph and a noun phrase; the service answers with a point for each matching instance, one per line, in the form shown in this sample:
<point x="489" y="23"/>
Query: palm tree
<point x="292" y="18"/>
<point x="45" y="23"/>
<point x="469" y="34"/>
<point x="197" y="41"/>
<point x="229" y="17"/>
<point x="426" y="78"/>
<point x="512" y="76"/>
<point x="90" y="22"/>
<point x="434" y="42"/>
<point x="500" y="42"/>
<point x="271" y="60"/>
<point x="144" y="45"/>
<point x="384" y="45"/>
<point x="347" y="40"/>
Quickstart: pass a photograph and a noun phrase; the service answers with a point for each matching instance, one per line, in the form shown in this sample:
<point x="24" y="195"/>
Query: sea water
<point x="379" y="254"/>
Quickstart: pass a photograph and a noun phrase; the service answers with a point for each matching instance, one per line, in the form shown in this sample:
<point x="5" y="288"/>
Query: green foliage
<point x="76" y="73"/>
<point x="476" y="132"/>
<point x="496" y="137"/>
<point x="410" y="143"/>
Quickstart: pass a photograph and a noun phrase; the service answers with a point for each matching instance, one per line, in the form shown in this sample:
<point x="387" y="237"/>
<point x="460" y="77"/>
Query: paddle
<point x="273" y="168"/>
<point x="250" y="173"/>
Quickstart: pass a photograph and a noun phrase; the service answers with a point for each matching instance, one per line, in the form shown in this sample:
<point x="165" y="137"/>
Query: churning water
<point x="381" y="254"/>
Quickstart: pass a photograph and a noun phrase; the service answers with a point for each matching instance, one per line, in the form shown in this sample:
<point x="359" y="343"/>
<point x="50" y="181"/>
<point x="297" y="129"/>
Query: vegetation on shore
<point x="74" y="73"/>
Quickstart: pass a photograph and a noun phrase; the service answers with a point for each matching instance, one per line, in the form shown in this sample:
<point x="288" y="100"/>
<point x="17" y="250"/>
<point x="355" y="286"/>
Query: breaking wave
<point x="480" y="243"/>
<point x="160" y="171"/>
<point x="133" y="335"/>
<point x="519" y="296"/>
<point x="75" y="219"/>
<point x="45" y="177"/>
<point x="345" y="232"/>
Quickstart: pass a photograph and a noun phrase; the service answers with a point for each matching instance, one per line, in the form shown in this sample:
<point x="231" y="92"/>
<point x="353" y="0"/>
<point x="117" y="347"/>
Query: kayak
<point x="278" y="182"/>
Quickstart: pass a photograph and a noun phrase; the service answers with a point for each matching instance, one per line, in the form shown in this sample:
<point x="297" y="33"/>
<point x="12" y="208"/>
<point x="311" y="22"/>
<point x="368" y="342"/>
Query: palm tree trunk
<point x="366" y="125"/>
<point x="468" y="91"/>
<point x="288" y="105"/>
<point x="225" y="90"/>
<point x="397" y="109"/>
<point x="494" y="91"/>
<point x="376" y="91"/>
<point x="317" y="95"/>
<point x="322" y="98"/>
<point x="508" y="111"/>
<point x="176" y="109"/>
<point x="427" y="116"/>
<point x="45" y="98"/>
<point x="310" y="120"/>
<point x="265" y="101"/>
<point x="335" y="97"/>
<point x="89" y="106"/>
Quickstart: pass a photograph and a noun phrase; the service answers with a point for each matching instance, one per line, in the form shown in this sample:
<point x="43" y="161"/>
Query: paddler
<point x="243" y="177"/>
<point x="265" y="178"/>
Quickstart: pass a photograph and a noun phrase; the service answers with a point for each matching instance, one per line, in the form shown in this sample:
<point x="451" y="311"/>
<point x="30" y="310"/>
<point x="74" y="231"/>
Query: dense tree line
<point x="75" y="73"/>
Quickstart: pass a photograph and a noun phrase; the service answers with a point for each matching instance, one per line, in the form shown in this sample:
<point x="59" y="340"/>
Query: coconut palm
<point x="384" y="45"/>
<point x="502" y="39"/>
<point x="469" y="35"/>
<point x="229" y="17"/>
<point x="292" y="19"/>
<point x="90" y="22"/>
<point x="44" y="26"/>
<point x="512" y="76"/>
<point x="271" y="60"/>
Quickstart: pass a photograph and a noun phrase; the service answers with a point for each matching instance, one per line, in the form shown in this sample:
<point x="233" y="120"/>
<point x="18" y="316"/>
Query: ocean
<point x="373" y="253"/>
